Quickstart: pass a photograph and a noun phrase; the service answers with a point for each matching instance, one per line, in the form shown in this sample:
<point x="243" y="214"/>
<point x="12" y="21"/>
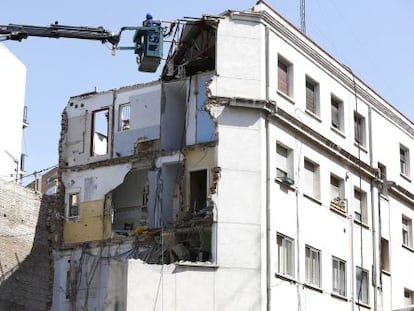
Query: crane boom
<point x="19" y="32"/>
<point x="148" y="39"/>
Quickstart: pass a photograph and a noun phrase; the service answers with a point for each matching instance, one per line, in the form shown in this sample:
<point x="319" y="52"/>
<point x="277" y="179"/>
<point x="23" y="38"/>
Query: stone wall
<point x="24" y="249"/>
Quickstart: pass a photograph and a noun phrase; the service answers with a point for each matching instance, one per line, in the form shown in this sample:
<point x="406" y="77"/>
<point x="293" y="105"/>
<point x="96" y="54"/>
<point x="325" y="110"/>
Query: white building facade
<point x="258" y="174"/>
<point x="13" y="116"/>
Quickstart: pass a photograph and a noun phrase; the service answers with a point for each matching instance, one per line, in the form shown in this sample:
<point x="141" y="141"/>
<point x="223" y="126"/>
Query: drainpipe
<point x="112" y="129"/>
<point x="267" y="214"/>
<point x="374" y="239"/>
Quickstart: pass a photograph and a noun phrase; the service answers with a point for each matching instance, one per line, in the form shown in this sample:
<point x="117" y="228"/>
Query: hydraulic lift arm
<point x="148" y="39"/>
<point x="19" y="32"/>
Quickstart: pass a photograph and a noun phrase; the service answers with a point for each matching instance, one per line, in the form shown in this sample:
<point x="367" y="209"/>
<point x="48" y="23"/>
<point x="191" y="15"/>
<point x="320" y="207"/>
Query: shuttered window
<point x="283" y="77"/>
<point x="312" y="96"/>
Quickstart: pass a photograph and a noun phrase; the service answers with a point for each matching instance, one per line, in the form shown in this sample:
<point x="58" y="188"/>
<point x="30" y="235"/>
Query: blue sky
<point x="372" y="37"/>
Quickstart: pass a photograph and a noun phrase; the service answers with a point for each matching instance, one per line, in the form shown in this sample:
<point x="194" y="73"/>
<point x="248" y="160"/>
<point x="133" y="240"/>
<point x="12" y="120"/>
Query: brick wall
<point x="24" y="249"/>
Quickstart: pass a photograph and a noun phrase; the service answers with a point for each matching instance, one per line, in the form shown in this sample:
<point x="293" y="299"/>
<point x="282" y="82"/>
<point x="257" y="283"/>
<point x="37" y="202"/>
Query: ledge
<point x="388" y="273"/>
<point x="407" y="178"/>
<point x="313" y="115"/>
<point x="312" y="198"/>
<point x="338" y="296"/>
<point x="408" y="248"/>
<point x="361" y="147"/>
<point x="285" y="278"/>
<point x="196" y="264"/>
<point x="338" y="131"/>
<point x="337" y="211"/>
<point x="280" y="182"/>
<point x="362" y="224"/>
<point x="313" y="287"/>
<point x="285" y="96"/>
<point x="362" y="305"/>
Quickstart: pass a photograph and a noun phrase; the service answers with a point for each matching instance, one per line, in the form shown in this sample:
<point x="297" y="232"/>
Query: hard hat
<point x="148" y="16"/>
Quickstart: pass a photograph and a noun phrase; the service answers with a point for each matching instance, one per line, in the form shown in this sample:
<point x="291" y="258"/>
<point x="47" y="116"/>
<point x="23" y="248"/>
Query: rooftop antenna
<point x="302" y="17"/>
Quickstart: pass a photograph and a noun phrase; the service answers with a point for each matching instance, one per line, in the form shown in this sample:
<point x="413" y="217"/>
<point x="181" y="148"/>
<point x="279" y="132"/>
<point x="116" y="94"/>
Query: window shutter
<point x="283" y="85"/>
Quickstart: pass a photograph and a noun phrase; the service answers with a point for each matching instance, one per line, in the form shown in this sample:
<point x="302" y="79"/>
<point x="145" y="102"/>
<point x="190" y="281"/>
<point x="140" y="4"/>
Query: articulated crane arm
<point x="148" y="39"/>
<point x="19" y="32"/>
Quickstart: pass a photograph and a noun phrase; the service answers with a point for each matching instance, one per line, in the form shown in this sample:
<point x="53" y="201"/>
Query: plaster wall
<point x="181" y="288"/>
<point x="78" y="142"/>
<point x="94" y="221"/>
<point x="244" y="73"/>
<point x="145" y="117"/>
<point x="12" y="93"/>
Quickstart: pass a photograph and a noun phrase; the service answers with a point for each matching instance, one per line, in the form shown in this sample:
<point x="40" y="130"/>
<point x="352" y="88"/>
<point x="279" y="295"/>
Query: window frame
<point x="284" y="162"/>
<point x="408" y="297"/>
<point x="127" y="126"/>
<point x="285" y="256"/>
<point x="314" y="107"/>
<point x="339" y="113"/>
<point x="315" y="192"/>
<point x="94" y="130"/>
<point x="71" y="206"/>
<point x="338" y="200"/>
<point x="339" y="283"/>
<point x="359" y="129"/>
<point x="288" y="73"/>
<point x="407" y="233"/>
<point x="404" y="161"/>
<point x="313" y="278"/>
<point x="364" y="285"/>
<point x="363" y="209"/>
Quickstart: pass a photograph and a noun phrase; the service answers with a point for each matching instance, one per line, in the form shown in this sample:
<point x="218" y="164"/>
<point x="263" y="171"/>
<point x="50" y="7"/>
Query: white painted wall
<point x="12" y="92"/>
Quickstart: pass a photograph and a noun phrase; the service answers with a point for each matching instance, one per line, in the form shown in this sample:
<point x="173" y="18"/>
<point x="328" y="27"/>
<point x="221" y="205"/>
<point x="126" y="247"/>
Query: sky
<point x="372" y="37"/>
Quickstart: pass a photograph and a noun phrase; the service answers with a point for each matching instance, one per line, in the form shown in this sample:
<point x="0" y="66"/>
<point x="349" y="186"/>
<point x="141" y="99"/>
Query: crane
<point x="148" y="38"/>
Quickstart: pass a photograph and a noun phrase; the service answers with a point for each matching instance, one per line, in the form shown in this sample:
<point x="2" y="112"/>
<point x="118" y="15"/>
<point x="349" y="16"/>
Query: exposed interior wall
<point x="93" y="223"/>
<point x="79" y="137"/>
<point x="85" y="280"/>
<point x="173" y="115"/>
<point x="129" y="202"/>
<point x="144" y="118"/>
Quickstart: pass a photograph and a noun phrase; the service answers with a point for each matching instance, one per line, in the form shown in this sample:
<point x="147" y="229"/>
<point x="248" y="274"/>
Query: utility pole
<point x="302" y="16"/>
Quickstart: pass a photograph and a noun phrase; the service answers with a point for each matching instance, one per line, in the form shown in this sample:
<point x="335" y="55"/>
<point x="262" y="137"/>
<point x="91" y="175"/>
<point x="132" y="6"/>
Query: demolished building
<point x="204" y="190"/>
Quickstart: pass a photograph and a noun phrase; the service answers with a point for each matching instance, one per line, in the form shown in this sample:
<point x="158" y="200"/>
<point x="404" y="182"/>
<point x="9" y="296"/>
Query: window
<point x="283" y="162"/>
<point x="73" y="205"/>
<point x="408" y="297"/>
<point x="359" y="129"/>
<point x="337" y="193"/>
<point x="382" y="171"/>
<point x="407" y="231"/>
<point x="285" y="256"/>
<point x="311" y="186"/>
<point x="337" y="113"/>
<point x="360" y="206"/>
<point x="338" y="276"/>
<point x="100" y="128"/>
<point x="312" y="96"/>
<point x="198" y="190"/>
<point x="385" y="255"/>
<point x="404" y="161"/>
<point x="313" y="266"/>
<point x="285" y="80"/>
<point x="362" y="285"/>
<point x="124" y="117"/>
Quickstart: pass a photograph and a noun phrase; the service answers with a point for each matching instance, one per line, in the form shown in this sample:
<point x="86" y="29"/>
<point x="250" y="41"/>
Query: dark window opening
<point x="74" y="205"/>
<point x="100" y="131"/>
<point x="198" y="190"/>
